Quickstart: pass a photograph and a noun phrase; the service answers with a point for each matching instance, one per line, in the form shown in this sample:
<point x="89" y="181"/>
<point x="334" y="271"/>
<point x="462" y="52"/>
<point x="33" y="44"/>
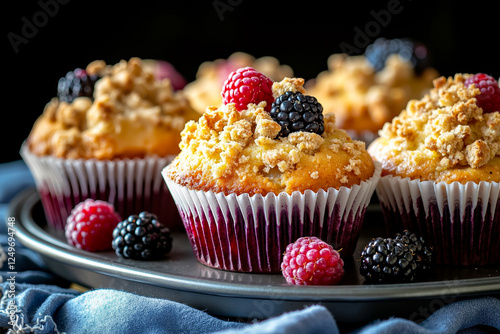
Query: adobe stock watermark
<point x="223" y="6"/>
<point x="30" y="25"/>
<point x="447" y="296"/>
<point x="372" y="29"/>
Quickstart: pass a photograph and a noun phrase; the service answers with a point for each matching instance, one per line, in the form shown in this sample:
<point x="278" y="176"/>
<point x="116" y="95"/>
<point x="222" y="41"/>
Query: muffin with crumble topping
<point x="441" y="169"/>
<point x="247" y="183"/>
<point x="107" y="135"/>
<point x="368" y="90"/>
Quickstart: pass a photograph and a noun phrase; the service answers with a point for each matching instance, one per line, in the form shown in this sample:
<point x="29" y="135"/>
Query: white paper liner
<point x="250" y="233"/>
<point x="131" y="185"/>
<point x="452" y="216"/>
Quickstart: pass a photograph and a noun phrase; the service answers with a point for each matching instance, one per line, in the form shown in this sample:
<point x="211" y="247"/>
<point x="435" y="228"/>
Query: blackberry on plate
<point x="419" y="248"/>
<point x="417" y="53"/>
<point x="75" y="84"/>
<point x="386" y="260"/>
<point x="141" y="237"/>
<point x="297" y="112"/>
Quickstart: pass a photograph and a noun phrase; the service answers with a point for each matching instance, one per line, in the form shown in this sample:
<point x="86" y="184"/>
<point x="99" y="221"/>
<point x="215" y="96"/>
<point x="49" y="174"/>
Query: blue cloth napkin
<point x="38" y="301"/>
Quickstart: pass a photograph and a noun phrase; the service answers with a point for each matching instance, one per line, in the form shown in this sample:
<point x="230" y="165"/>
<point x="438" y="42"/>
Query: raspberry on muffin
<point x="489" y="99"/>
<point x="263" y="178"/>
<point x="205" y="90"/>
<point x="247" y="85"/>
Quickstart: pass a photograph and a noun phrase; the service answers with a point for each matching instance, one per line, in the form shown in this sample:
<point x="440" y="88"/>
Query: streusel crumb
<point x="235" y="151"/>
<point x="443" y="131"/>
<point x="132" y="114"/>
<point x="364" y="99"/>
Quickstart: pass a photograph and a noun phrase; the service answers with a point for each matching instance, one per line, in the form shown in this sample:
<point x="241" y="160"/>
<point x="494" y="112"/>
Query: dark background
<point x="462" y="36"/>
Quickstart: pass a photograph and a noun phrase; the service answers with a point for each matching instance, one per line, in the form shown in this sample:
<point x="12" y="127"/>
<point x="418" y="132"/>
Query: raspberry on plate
<point x="247" y="85"/>
<point x="311" y="261"/>
<point x="90" y="225"/>
<point x="489" y="99"/>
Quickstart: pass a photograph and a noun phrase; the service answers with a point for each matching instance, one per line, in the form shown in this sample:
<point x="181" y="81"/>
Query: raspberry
<point x="141" y="237"/>
<point x="75" y="84"/>
<point x="489" y="99"/>
<point x="163" y="69"/>
<point x="247" y="85"/>
<point x="311" y="261"/>
<point x="386" y="260"/>
<point x="90" y="225"/>
<point x="297" y="112"/>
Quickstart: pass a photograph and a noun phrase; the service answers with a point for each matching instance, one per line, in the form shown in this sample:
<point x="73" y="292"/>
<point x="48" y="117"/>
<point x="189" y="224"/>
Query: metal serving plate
<point x="180" y="277"/>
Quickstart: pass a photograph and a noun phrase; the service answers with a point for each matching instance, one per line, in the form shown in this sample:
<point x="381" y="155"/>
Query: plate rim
<point x="22" y="205"/>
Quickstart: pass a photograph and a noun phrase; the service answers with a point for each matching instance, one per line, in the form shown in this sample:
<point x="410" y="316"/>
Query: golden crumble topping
<point x="132" y="114"/>
<point x="362" y="99"/>
<point x="443" y="131"/>
<point x="239" y="152"/>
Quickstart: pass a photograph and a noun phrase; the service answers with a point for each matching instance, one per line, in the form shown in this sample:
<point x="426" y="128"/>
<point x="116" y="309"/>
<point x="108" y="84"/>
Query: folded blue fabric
<point x="37" y="301"/>
<point x="50" y="309"/>
<point x="462" y="316"/>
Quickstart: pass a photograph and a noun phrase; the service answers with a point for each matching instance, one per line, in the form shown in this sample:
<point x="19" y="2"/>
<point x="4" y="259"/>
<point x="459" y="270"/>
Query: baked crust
<point x="237" y="152"/>
<point x="132" y="115"/>
<point x="444" y="136"/>
<point x="362" y="99"/>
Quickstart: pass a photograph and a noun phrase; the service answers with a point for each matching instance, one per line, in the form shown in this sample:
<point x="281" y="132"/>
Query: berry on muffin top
<point x="107" y="112"/>
<point x="445" y="136"/>
<point x="247" y="151"/>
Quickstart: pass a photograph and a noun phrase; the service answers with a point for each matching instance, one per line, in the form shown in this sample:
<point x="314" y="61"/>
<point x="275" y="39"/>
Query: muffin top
<point x="131" y="114"/>
<point x="233" y="151"/>
<point x="205" y="90"/>
<point x="362" y="98"/>
<point x="445" y="136"/>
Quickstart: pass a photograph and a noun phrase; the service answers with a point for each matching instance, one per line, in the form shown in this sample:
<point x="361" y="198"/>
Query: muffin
<point x="107" y="135"/>
<point x="441" y="169"/>
<point x="163" y="69"/>
<point x="205" y="91"/>
<point x="363" y="94"/>
<point x="245" y="188"/>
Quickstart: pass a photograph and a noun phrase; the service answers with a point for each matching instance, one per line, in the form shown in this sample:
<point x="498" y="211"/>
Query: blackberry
<point x="419" y="248"/>
<point x="417" y="53"/>
<point x="297" y="112"/>
<point x="386" y="260"/>
<point x="75" y="84"/>
<point x="141" y="237"/>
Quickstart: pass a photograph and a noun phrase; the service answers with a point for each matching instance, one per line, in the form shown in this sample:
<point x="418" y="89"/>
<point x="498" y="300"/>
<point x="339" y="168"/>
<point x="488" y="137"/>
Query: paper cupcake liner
<point x="131" y="185"/>
<point x="461" y="222"/>
<point x="250" y="233"/>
